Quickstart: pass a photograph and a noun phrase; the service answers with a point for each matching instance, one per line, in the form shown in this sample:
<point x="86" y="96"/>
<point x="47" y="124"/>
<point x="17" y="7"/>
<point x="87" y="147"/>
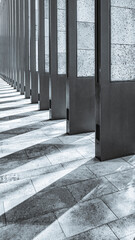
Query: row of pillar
<point x="41" y="59"/>
<point x="50" y="53"/>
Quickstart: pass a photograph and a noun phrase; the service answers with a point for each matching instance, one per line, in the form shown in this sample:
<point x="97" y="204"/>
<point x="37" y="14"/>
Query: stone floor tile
<point x="85" y="216"/>
<point x="2" y="214"/>
<point x="34" y="126"/>
<point x="45" y="201"/>
<point x="92" y="160"/>
<point x="75" y="163"/>
<point x="86" y="149"/>
<point x="124" y="227"/>
<point x="18" y="111"/>
<point x="3" y="172"/>
<point x="60" y="126"/>
<point x="89" y="189"/>
<point x="65" y="156"/>
<point x="22" y="110"/>
<point x="11" y="169"/>
<point x="108" y="167"/>
<point x="14" y="105"/>
<point x="121" y="203"/>
<point x="21" y="173"/>
<point x="15" y="202"/>
<point x="4" y="136"/>
<point x="52" y="179"/>
<point x="68" y="139"/>
<point x="66" y="147"/>
<point x="9" y="191"/>
<point x="17" y="131"/>
<point x="53" y="141"/>
<point x="12" y="117"/>
<point x="14" y="157"/>
<point x="130" y="159"/>
<point x="25" y="165"/>
<point x="75" y="140"/>
<point x="8" y="165"/>
<point x="36" y="228"/>
<point x="8" y="178"/>
<point x="8" y="108"/>
<point x="99" y="233"/>
<point x="41" y="150"/>
<point x="130" y="237"/>
<point x="55" y="130"/>
<point x="122" y="179"/>
<point x="31" y="164"/>
<point x="53" y="231"/>
<point x="21" y="142"/>
<point x="92" y="137"/>
<point x="76" y="175"/>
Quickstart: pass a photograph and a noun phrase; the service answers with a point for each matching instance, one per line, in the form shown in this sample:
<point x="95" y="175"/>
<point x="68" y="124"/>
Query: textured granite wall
<point x="46" y="19"/>
<point x="122" y="40"/>
<point x="85" y="38"/>
<point x="36" y="31"/>
<point x="61" y="36"/>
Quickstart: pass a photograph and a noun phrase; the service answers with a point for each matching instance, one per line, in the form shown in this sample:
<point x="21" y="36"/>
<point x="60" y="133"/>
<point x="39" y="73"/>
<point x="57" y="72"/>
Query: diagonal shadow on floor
<point x="46" y="207"/>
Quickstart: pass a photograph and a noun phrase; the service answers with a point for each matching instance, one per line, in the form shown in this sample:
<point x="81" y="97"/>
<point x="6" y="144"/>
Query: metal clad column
<point x="14" y="41"/>
<point x="57" y="80"/>
<point x="17" y="45"/>
<point x="80" y="92"/>
<point x="115" y="79"/>
<point x="43" y="80"/>
<point x="26" y="50"/>
<point x="34" y="75"/>
<point x="11" y="40"/>
<point x="8" y="42"/>
<point x="21" y="41"/>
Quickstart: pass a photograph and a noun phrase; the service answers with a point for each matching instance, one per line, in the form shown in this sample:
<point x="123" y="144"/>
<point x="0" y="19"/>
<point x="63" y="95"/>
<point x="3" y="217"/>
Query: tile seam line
<point x="112" y="184"/>
<point x="113" y="231"/>
<point x="110" y="209"/>
<point x="106" y="224"/>
<point x="124" y="170"/>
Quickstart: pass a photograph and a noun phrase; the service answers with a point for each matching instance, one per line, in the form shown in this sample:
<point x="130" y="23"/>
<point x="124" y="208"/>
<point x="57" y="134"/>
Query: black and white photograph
<point x="67" y="119"/>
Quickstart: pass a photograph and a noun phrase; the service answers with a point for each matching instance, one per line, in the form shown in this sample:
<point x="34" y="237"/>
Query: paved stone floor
<point x="51" y="187"/>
